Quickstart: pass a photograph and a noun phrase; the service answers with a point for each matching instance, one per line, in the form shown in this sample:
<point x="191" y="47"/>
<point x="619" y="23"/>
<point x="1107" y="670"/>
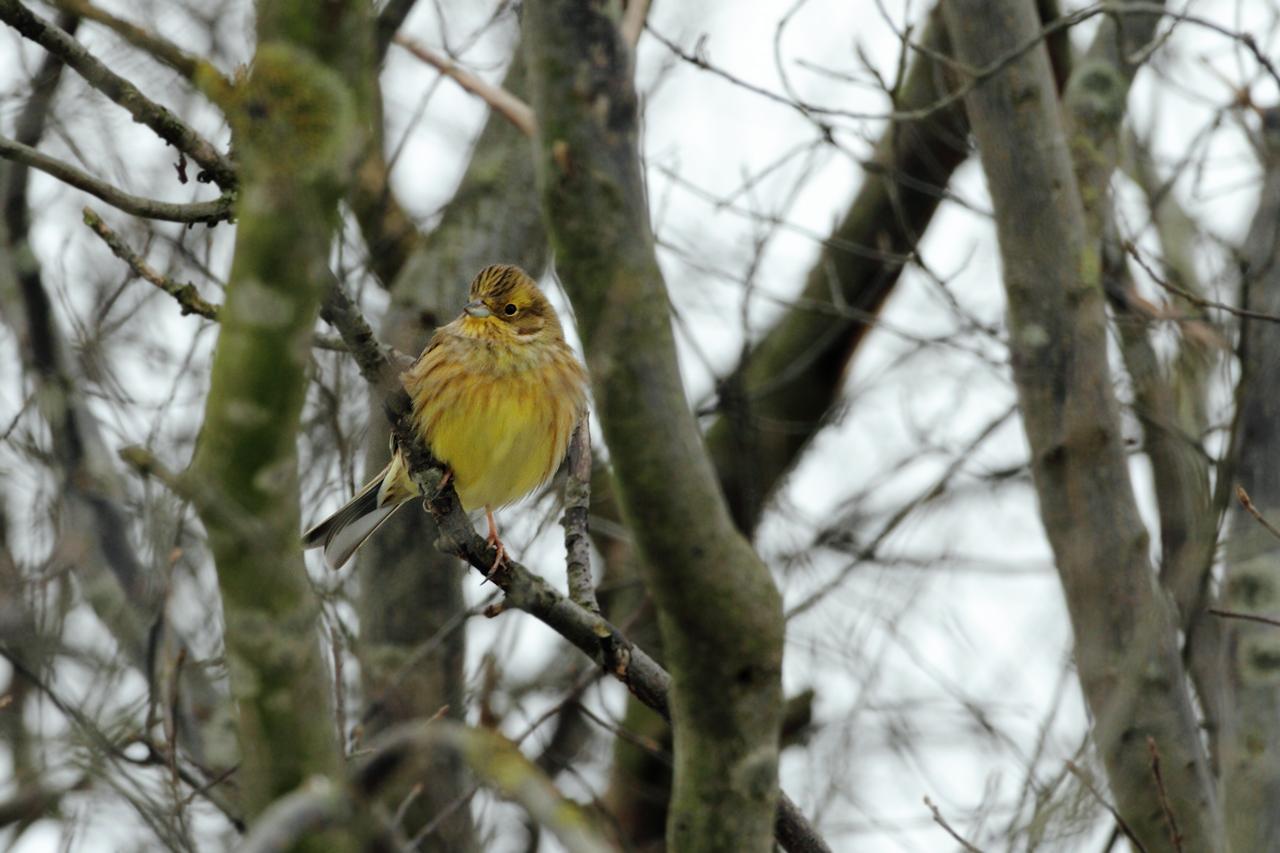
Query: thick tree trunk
<point x="297" y="122"/>
<point x="1250" y="739"/>
<point x="1125" y="632"/>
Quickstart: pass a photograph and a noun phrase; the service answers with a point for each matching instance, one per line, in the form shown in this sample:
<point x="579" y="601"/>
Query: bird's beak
<point x="476" y="308"/>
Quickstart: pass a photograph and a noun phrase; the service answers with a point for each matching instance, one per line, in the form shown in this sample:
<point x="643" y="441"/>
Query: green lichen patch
<point x="293" y="109"/>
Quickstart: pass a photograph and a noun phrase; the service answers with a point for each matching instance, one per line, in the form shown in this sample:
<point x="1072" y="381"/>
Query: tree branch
<point x="506" y="104"/>
<point x="186" y="294"/>
<point x="193" y="68"/>
<point x="208" y="212"/>
<point x="166" y="125"/>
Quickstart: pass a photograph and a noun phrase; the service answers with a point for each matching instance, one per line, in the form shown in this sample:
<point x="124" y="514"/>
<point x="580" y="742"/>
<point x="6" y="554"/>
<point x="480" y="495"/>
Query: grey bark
<point x="1125" y="632"/>
<point x="1250" y="739"/>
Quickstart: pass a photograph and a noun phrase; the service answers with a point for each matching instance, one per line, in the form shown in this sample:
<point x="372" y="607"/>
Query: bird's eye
<point x="510" y="310"/>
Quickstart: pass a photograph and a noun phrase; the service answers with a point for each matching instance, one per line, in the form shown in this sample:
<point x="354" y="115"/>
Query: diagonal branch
<point x="512" y="108"/>
<point x="208" y="212"/>
<point x="166" y="125"/>
<point x="188" y="65"/>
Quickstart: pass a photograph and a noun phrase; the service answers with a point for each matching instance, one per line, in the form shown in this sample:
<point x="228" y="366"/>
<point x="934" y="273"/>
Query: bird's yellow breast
<point x="500" y="420"/>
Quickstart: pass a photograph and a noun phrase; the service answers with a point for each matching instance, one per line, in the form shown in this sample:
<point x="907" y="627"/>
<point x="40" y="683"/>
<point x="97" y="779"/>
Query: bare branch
<point x="208" y="212"/>
<point x="942" y="822"/>
<point x="512" y="108"/>
<point x="186" y="294"/>
<point x="166" y="125"/>
<point x="577" y="501"/>
<point x="193" y="68"/>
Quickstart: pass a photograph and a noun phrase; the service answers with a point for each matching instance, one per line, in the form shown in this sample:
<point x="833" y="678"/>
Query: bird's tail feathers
<point x="347" y="529"/>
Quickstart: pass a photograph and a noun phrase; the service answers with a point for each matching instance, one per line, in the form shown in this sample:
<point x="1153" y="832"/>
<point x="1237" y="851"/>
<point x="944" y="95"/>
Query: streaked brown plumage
<point x="496" y="395"/>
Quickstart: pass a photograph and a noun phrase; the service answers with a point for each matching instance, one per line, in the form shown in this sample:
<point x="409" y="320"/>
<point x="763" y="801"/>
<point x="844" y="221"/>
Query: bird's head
<point x="505" y="299"/>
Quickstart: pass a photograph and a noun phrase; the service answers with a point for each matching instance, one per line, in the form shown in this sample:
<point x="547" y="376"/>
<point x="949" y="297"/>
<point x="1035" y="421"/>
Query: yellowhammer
<point x="496" y="395"/>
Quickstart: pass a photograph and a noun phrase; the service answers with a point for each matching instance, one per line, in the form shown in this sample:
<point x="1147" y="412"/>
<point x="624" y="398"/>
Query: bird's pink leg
<point x="495" y="542"/>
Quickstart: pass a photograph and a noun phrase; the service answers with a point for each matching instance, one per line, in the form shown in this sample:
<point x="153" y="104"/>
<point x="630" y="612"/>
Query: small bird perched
<point x="496" y="395"/>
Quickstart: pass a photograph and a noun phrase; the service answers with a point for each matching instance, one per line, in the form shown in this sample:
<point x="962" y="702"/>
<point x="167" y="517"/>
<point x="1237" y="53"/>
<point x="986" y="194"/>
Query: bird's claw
<point x="499" y="560"/>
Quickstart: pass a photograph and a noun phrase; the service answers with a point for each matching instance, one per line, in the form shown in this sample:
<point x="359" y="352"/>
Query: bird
<point x="496" y="395"/>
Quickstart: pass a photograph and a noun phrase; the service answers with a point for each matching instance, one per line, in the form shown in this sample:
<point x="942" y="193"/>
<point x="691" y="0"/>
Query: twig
<point x="577" y="502"/>
<point x="336" y="306"/>
<point x="942" y="822"/>
<point x="189" y="66"/>
<point x="1243" y="497"/>
<point x="512" y="108"/>
<point x="1248" y="617"/>
<point x="1097" y="795"/>
<point x="1175" y="837"/>
<point x="166" y="125"/>
<point x="339" y="686"/>
<point x="186" y="294"/>
<point x="318" y="803"/>
<point x="379" y="365"/>
<point x="974" y="76"/>
<point x="207" y="212"/>
<point x="1194" y="299"/>
<point x="633" y="21"/>
<point x="109" y="747"/>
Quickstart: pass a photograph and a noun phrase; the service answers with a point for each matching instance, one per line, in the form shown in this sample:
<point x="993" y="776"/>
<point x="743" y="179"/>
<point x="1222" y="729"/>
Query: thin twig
<point x="512" y="108"/>
<point x="189" y="66"/>
<point x="577" y="502"/>
<point x="974" y="76"/>
<point x="336" y="305"/>
<point x="186" y="294"/>
<point x="1248" y="617"/>
<point x="1097" y="795"/>
<point x="166" y="125"/>
<point x="1247" y="503"/>
<point x="1194" y="299"/>
<point x="942" y="822"/>
<point x="207" y="212"/>
<point x="1175" y="837"/>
